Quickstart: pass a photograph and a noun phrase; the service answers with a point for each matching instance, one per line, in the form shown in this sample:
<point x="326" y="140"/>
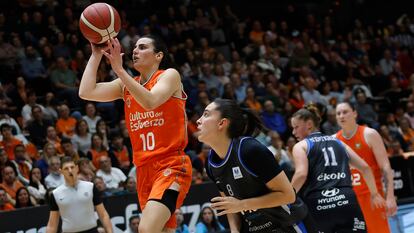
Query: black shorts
<point x="334" y="210"/>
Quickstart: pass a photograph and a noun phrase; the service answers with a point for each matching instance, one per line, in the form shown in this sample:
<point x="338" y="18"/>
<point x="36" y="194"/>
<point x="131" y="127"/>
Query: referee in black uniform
<point x="323" y="178"/>
<point x="255" y="192"/>
<point x="75" y="202"/>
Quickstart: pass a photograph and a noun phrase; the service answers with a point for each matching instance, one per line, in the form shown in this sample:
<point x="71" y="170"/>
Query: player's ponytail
<point x="309" y="112"/>
<point x="243" y="122"/>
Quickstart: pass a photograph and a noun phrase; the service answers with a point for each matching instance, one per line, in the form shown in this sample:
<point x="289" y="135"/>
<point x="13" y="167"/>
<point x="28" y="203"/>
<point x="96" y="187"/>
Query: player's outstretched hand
<point x="377" y="201"/>
<point x="391" y="206"/>
<point x="114" y="54"/>
<point x="98" y="48"/>
<point x="226" y="205"/>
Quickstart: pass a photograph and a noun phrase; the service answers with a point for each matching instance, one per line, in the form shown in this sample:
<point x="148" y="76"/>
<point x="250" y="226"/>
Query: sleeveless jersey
<point x="328" y="164"/>
<point x="158" y="132"/>
<point x="360" y="146"/>
<point x="234" y="179"/>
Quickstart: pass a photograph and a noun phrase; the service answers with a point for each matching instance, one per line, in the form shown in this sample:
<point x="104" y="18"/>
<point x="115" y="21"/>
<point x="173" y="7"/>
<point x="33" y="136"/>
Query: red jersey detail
<point x="360" y="146"/>
<point x="159" y="132"/>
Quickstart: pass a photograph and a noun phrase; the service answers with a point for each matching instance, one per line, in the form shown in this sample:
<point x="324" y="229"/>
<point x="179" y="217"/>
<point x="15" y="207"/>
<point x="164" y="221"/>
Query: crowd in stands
<point x="273" y="67"/>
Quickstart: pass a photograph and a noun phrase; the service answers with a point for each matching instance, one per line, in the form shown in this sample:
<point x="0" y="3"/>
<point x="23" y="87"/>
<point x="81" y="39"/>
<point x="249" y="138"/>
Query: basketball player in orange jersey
<point x="368" y="144"/>
<point x="156" y="121"/>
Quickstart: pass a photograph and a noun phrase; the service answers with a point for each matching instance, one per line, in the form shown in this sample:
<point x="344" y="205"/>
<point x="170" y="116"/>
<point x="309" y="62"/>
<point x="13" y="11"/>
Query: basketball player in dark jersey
<point x="255" y="192"/>
<point x="322" y="176"/>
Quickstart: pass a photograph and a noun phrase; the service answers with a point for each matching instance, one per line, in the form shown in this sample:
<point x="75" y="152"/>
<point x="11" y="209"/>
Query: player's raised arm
<point x="89" y="89"/>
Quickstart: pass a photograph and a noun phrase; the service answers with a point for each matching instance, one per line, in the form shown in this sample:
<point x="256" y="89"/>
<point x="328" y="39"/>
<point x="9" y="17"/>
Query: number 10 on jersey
<point x="148" y="141"/>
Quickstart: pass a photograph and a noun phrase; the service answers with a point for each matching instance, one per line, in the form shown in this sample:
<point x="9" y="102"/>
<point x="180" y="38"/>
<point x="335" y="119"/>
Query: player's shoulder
<point x="370" y="133"/>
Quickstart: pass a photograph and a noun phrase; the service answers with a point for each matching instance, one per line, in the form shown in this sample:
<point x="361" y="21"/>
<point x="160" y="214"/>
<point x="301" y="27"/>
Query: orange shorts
<point x="376" y="219"/>
<point x="156" y="176"/>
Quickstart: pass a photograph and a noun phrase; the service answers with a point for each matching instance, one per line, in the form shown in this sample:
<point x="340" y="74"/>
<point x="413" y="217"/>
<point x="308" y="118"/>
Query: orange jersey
<point x="360" y="146"/>
<point x="159" y="132"/>
<point x="9" y="147"/>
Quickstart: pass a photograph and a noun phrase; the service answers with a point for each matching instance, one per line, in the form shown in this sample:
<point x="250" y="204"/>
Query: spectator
<point x="86" y="172"/>
<point x="251" y="100"/>
<point x="37" y="127"/>
<point x="66" y="83"/>
<point x="310" y="94"/>
<point x="102" y="130"/>
<point x="36" y="186"/>
<point x="10" y="183"/>
<point x="121" y="152"/>
<point x="55" y="178"/>
<point x="112" y="176"/>
<point x="69" y="150"/>
<point x="130" y="185"/>
<point x="181" y="226"/>
<point x="27" y="108"/>
<point x="208" y="222"/>
<point x="330" y="126"/>
<point x="387" y="63"/>
<point x="91" y="118"/>
<point x="6" y="119"/>
<point x="23" y="198"/>
<point x="22" y="163"/>
<point x="9" y="142"/>
<point x="65" y="125"/>
<point x="4" y="204"/>
<point x="34" y="71"/>
<point x="19" y="94"/>
<point x="50" y="106"/>
<point x="277" y="149"/>
<point x="53" y="138"/>
<point x="409" y="112"/>
<point x="366" y="113"/>
<point x="101" y="187"/>
<point x="81" y="140"/>
<point x="407" y="133"/>
<point x="133" y="224"/>
<point x="42" y="163"/>
<point x="273" y="120"/>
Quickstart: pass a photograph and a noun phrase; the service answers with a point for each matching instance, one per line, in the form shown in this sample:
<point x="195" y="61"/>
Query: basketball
<point x="99" y="22"/>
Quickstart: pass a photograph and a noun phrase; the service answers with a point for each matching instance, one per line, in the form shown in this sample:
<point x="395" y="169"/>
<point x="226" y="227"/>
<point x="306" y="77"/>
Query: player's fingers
<point x="224" y="212"/>
<point x="215" y="199"/>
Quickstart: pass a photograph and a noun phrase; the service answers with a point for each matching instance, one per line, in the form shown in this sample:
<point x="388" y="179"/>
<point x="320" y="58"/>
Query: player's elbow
<point x="290" y="195"/>
<point x="83" y="94"/>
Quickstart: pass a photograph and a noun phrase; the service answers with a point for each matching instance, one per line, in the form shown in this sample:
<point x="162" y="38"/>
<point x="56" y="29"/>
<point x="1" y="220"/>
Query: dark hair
<point x="5" y="126"/>
<point x="66" y="159"/>
<point x="34" y="184"/>
<point x="65" y="140"/>
<point x="133" y="217"/>
<point x="350" y="104"/>
<point x="36" y="106"/>
<point x="78" y="122"/>
<point x="243" y="122"/>
<point x="309" y="112"/>
<point x="160" y="46"/>
<point x="18" y="204"/>
<point x="214" y="223"/>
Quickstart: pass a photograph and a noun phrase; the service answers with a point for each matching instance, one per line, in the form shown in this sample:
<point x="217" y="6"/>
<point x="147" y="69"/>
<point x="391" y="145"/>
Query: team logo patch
<point x="359" y="224"/>
<point x="128" y="101"/>
<point x="358" y="145"/>
<point x="330" y="192"/>
<point x="167" y="172"/>
<point x="237" y="173"/>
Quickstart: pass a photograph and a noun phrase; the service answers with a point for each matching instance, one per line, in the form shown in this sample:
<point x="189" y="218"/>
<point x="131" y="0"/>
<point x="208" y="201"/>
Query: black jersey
<point x="328" y="164"/>
<point x="237" y="175"/>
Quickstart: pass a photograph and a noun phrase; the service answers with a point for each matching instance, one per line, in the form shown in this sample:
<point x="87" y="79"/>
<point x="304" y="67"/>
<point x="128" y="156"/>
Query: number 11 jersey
<point x="328" y="164"/>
